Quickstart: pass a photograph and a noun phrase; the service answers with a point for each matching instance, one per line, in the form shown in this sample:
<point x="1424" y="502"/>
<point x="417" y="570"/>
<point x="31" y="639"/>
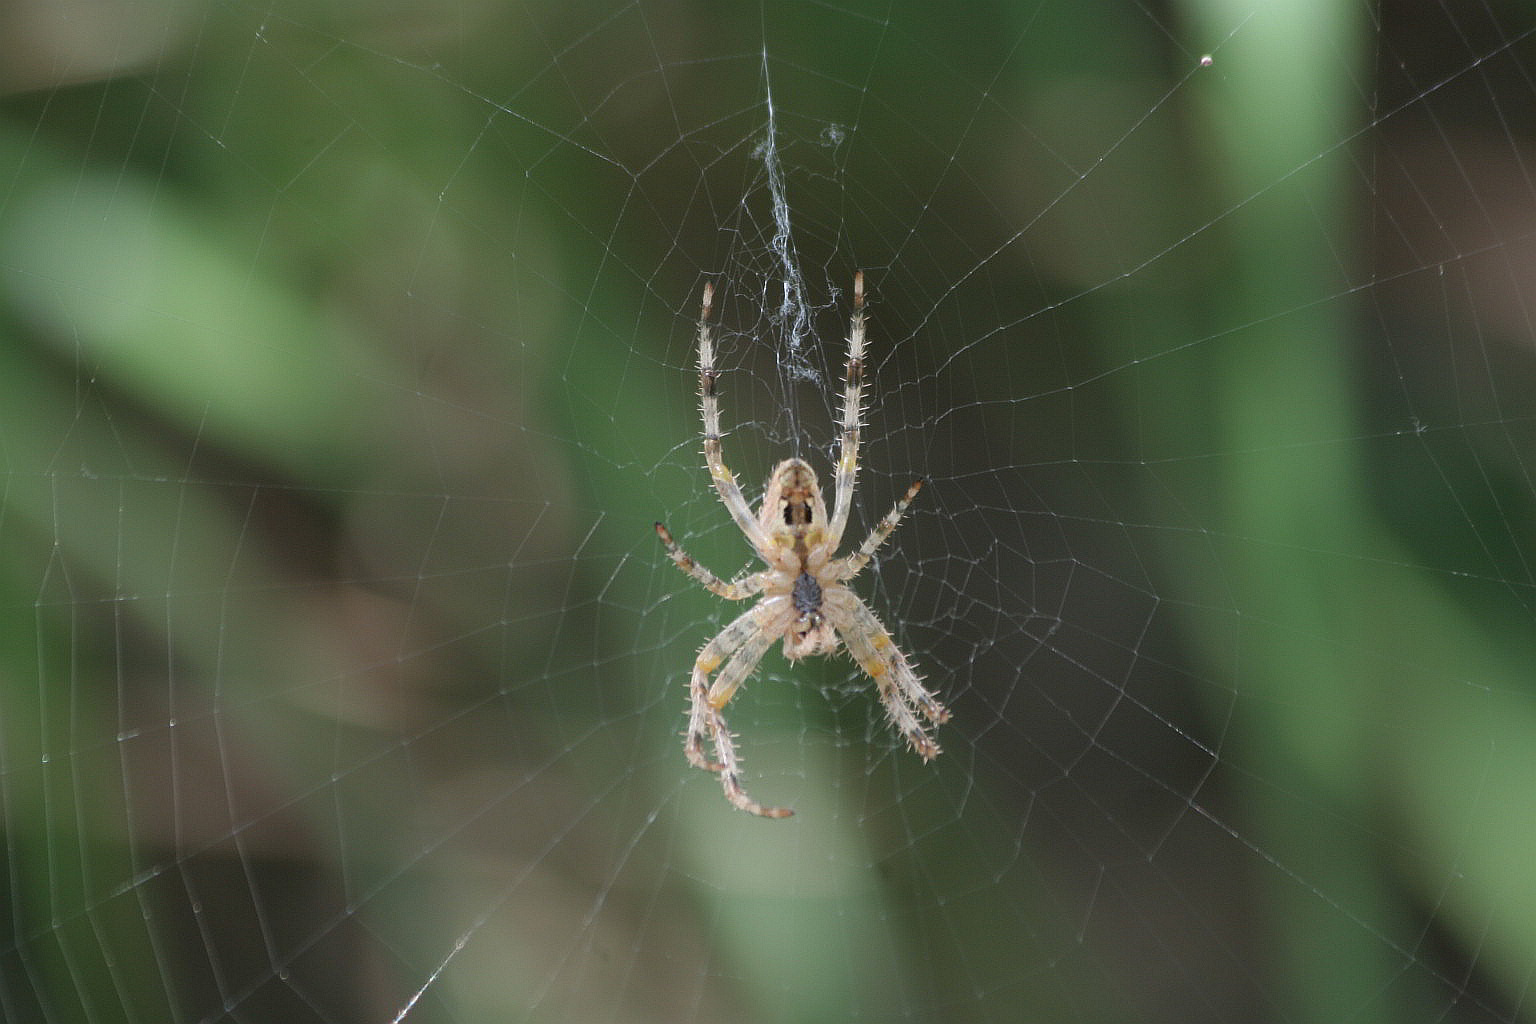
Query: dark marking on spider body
<point x="806" y="594"/>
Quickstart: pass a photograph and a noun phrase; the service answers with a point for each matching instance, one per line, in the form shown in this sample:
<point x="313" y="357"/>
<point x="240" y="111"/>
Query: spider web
<point x="349" y="357"/>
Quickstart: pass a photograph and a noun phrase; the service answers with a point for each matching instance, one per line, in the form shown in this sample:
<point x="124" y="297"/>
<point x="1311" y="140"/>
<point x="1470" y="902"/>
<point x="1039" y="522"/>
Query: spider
<point x="805" y="598"/>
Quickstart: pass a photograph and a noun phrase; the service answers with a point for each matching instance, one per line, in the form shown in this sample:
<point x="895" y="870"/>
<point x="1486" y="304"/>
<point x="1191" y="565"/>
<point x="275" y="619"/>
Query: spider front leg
<point x="740" y="646"/>
<point x="848" y="443"/>
<point x="709" y="408"/>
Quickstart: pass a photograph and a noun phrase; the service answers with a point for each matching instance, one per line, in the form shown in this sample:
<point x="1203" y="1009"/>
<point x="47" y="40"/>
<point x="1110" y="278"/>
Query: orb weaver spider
<point x="804" y="597"/>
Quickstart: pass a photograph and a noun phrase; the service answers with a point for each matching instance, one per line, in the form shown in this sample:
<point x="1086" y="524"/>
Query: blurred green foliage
<point x="345" y="360"/>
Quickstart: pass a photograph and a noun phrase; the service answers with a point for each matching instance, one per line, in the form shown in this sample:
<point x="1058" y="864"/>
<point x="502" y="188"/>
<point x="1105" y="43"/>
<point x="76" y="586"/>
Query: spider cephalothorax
<point x="794" y="518"/>
<point x="805" y="597"/>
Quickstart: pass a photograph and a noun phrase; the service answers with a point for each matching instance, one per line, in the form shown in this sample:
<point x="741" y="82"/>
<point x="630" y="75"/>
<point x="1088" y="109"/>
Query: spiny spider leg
<point x="848" y="443"/>
<point x="855" y="563"/>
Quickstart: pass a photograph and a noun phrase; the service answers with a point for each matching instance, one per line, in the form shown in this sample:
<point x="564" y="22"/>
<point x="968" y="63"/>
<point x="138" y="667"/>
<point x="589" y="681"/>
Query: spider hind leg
<point x="739" y="647"/>
<point x="901" y="689"/>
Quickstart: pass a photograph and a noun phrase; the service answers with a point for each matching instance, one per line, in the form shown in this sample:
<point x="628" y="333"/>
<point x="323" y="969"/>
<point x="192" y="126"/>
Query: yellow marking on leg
<point x="874" y="666"/>
<point x="719" y="703"/>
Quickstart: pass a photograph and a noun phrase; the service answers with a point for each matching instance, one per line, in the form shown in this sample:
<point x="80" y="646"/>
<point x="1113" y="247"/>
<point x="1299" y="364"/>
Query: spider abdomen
<point x="806" y="594"/>
<point x="811" y="633"/>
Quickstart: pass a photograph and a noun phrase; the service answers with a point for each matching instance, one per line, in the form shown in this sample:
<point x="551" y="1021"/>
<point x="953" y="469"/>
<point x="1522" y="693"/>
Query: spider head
<point x="793" y="513"/>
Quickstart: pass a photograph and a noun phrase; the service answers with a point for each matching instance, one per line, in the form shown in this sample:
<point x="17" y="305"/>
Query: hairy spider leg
<point x="740" y="646"/>
<point x="709" y="408"/>
<point x="901" y="689"/>
<point x="735" y="590"/>
<point x="848" y="442"/>
<point x="854" y="564"/>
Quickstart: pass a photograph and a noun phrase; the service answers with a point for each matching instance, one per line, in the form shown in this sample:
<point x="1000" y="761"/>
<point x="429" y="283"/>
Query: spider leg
<point x="855" y="562"/>
<point x="848" y="445"/>
<point x="735" y="590"/>
<point x="743" y="642"/>
<point x="901" y="689"/>
<point x="709" y="406"/>
<point x="700" y="715"/>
